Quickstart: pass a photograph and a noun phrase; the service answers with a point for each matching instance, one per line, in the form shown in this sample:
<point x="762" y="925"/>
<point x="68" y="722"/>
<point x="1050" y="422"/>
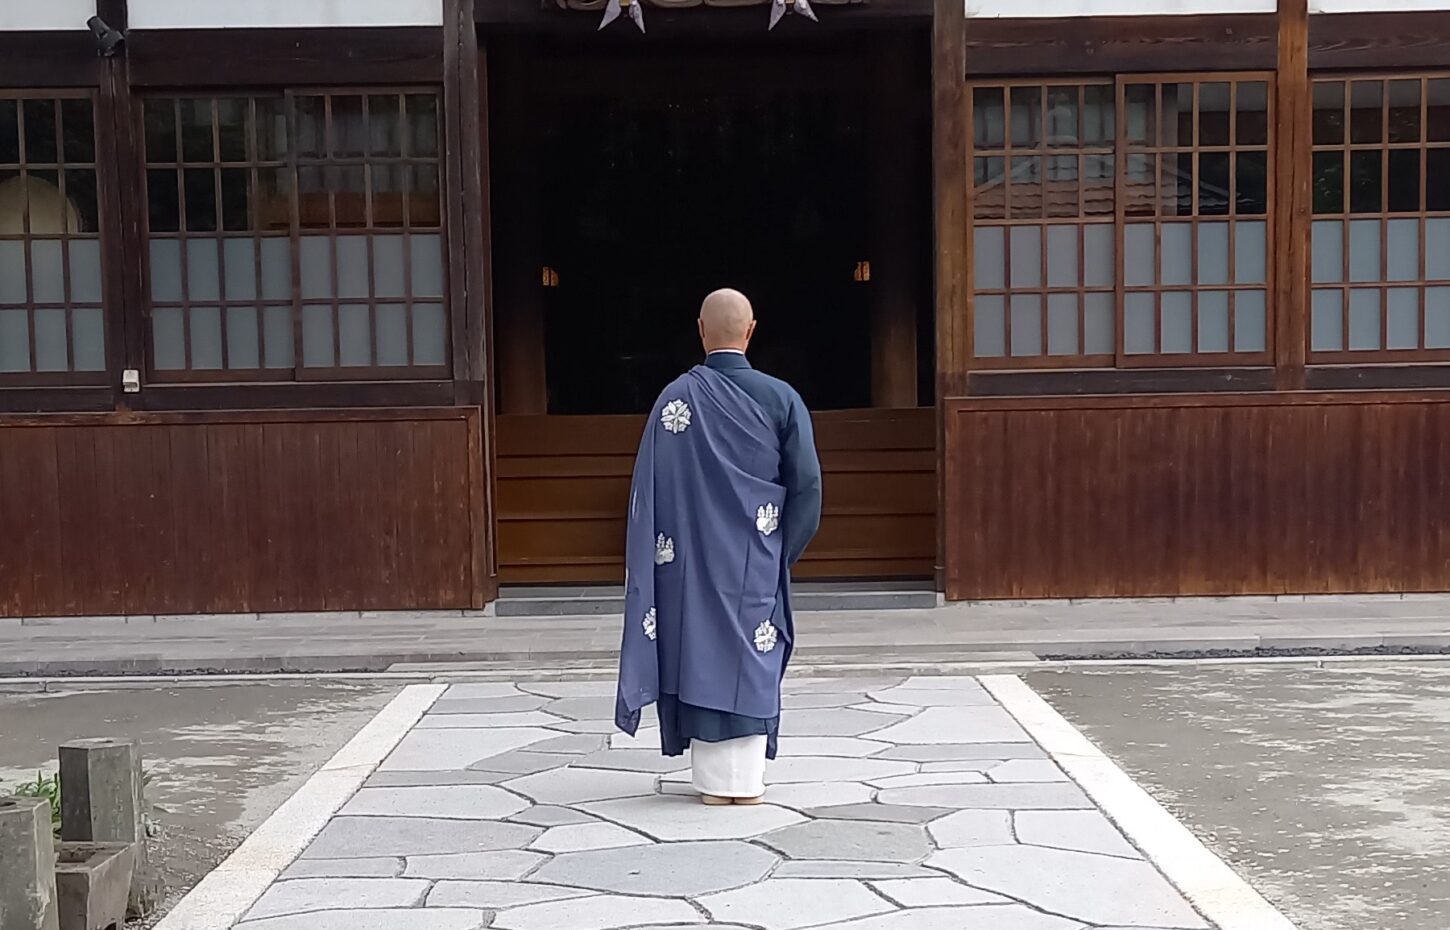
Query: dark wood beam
<point x="278" y="57"/>
<point x="1292" y="194"/>
<point x="1118" y="44"/>
<point x="1350" y="41"/>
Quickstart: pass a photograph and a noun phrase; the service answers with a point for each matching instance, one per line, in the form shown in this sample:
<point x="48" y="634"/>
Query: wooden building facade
<point x="308" y="305"/>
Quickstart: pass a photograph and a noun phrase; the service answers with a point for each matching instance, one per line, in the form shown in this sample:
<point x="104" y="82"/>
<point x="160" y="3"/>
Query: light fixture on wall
<point x="863" y="272"/>
<point x="549" y="277"/>
<point x="108" y="40"/>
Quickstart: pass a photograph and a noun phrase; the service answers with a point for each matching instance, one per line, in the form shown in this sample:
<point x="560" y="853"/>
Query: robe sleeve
<point x="800" y="471"/>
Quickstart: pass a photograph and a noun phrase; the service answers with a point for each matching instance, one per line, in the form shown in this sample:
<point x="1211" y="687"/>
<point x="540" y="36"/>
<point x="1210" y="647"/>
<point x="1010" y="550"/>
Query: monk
<point x="726" y="496"/>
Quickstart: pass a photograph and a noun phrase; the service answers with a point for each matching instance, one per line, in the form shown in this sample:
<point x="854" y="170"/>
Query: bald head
<point x="726" y="321"/>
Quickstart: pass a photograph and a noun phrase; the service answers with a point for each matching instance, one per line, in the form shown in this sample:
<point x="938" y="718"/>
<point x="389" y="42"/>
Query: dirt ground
<point x="222" y="757"/>
<point x="1328" y="789"/>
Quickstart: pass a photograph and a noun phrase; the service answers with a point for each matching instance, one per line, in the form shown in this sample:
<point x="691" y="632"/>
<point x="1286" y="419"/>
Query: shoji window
<point x="1121" y="222"/>
<point x="296" y="236"/>
<point x="52" y="325"/>
<point x="1381" y="234"/>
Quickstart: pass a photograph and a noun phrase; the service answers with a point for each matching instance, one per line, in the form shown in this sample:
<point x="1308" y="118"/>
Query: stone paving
<point x="915" y="804"/>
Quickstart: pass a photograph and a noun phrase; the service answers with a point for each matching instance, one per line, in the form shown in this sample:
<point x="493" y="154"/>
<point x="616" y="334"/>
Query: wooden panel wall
<point x="1200" y="494"/>
<point x="563" y="484"/>
<point x="242" y="512"/>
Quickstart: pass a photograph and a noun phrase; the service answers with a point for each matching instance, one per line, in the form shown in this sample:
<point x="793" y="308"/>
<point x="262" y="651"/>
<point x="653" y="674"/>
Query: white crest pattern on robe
<point x="767" y="519"/>
<point x="664" y="550"/>
<point x="650" y="626"/>
<point x="766" y="636"/>
<point x="676" y="416"/>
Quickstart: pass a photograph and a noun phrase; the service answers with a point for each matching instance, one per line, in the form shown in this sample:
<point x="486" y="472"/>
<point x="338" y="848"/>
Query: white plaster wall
<point x="1375" y="6"/>
<point x="1024" y="8"/>
<point x="222" y="14"/>
<point x="47" y="14"/>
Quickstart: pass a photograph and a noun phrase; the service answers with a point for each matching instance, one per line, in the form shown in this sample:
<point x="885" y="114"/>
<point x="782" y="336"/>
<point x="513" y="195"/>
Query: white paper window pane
<point x="85" y="271"/>
<point x="1099" y="267"/>
<point x="1062" y="324"/>
<point x="276" y="269"/>
<point x="1402" y="320"/>
<point x="1404" y="250"/>
<point x="88" y="340"/>
<point x="392" y="334"/>
<point x="1328" y="251"/>
<point x="1026" y="324"/>
<point x="314" y="254"/>
<point x="206" y="337"/>
<point x="1026" y="244"/>
<point x="1177" y="322"/>
<point x="14" y="340"/>
<point x="47" y="271"/>
<point x="427" y="265"/>
<point x="12" y="272"/>
<point x="1213" y="253"/>
<point x="242" y="348"/>
<point x="50" y="340"/>
<point x="1139" y="324"/>
<point x="352" y="266"/>
<point x="429" y="335"/>
<point x="388" y="266"/>
<point x="240" y="258"/>
<point x="1437" y="249"/>
<point x="1062" y="256"/>
<point x="317" y="336"/>
<point x="277" y="335"/>
<point x="1138" y="255"/>
<point x="1251" y="321"/>
<point x="1364" y="250"/>
<point x="1098" y="324"/>
<point x="1364" y="319"/>
<point x="1326" y="325"/>
<point x="1213" y="321"/>
<point x="990" y="329"/>
<point x="1437" y="318"/>
<point x="1177" y="253"/>
<point x="202" y="274"/>
<point x="355" y="335"/>
<point x="165" y="270"/>
<point x="168" y="337"/>
<point x="988" y="255"/>
<point x="1251" y="252"/>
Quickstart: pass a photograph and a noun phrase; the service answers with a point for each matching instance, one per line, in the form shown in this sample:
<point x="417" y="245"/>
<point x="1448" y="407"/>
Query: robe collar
<point x="726" y="359"/>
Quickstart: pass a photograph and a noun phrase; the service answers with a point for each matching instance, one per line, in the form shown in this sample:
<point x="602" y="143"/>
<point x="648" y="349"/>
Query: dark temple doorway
<point x="628" y="177"/>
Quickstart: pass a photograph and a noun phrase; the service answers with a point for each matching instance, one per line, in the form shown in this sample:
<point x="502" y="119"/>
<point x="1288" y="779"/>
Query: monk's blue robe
<point x="725" y="498"/>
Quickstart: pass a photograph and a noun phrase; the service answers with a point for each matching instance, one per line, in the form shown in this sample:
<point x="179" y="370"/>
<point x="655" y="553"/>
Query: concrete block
<point x="101" y="801"/>
<point x="93" y="884"/>
<point x="27" y="866"/>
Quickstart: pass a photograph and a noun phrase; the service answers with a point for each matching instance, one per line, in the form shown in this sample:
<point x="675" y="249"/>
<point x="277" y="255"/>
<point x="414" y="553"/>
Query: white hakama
<point x="733" y="768"/>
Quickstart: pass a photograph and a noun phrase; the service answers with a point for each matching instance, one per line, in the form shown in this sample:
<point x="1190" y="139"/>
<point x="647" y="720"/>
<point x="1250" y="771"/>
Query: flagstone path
<point x="895" y="805"/>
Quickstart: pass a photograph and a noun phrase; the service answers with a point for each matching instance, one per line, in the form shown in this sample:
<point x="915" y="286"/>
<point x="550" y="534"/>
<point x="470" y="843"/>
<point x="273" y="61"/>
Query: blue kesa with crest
<point x="707" y="591"/>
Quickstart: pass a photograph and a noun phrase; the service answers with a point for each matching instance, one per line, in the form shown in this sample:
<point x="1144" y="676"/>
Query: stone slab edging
<point x="221" y="898"/>
<point x="1209" y="883"/>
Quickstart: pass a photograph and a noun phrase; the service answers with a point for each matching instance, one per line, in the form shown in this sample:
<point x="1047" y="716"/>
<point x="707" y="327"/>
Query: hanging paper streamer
<point x="779" y="8"/>
<point x="616" y="8"/>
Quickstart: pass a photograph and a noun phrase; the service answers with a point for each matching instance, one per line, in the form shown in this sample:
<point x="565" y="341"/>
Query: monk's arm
<point x="801" y="473"/>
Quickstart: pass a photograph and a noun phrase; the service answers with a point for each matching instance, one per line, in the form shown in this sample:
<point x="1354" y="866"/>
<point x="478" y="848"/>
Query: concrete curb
<point x="1214" y="888"/>
<point x="221" y="898"/>
<point x="1065" y="645"/>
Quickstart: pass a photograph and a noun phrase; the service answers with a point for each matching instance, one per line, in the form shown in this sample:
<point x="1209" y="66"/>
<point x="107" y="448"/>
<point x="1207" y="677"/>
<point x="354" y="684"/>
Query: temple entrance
<point x="628" y="180"/>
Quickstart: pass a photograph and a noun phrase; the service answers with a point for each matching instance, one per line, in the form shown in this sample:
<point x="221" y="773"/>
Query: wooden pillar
<point x="123" y="203"/>
<point x="891" y="130"/>
<point x="469" y="268"/>
<point x="951" y="197"/>
<point x="1293" y="203"/>
<point x="523" y="385"/>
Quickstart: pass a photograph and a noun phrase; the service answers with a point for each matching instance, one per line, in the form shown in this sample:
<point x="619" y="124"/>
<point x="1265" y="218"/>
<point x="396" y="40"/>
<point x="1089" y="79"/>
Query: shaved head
<point x="727" y="320"/>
